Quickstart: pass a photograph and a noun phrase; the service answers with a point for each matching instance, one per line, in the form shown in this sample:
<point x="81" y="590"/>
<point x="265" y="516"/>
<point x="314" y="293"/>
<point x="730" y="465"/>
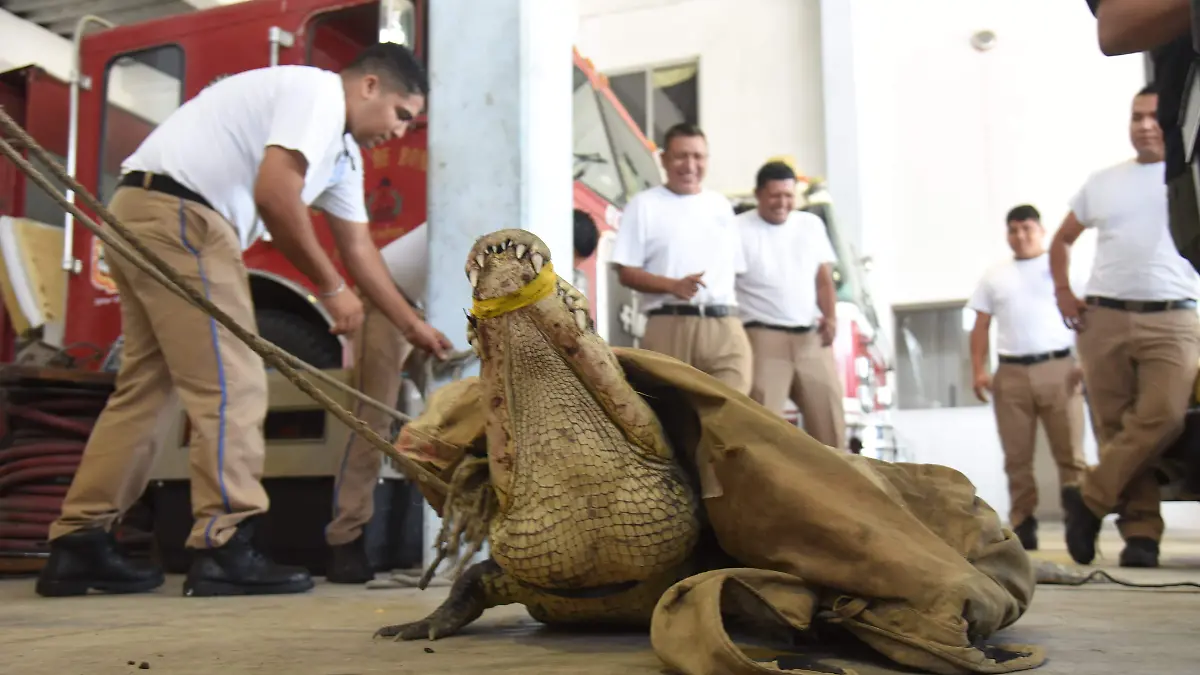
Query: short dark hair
<point x="682" y="130"/>
<point x="1023" y="212"/>
<point x="587" y="235"/>
<point x="773" y="171"/>
<point x="395" y="64"/>
<point x="1150" y="88"/>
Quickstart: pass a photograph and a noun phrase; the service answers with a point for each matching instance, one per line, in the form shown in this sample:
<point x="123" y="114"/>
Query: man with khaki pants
<point x="678" y="246"/>
<point x="1139" y="341"/>
<point x="1037" y="378"/>
<point x="264" y="143"/>
<point x="789" y="306"/>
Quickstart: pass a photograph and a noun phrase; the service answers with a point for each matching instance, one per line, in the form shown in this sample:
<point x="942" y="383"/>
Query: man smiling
<point x="249" y="154"/>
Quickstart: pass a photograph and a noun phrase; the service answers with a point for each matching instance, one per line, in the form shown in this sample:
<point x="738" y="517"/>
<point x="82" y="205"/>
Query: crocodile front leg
<point x="481" y="586"/>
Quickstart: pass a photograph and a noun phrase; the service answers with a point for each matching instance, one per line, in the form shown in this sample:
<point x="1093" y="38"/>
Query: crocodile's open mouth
<point x="511" y="270"/>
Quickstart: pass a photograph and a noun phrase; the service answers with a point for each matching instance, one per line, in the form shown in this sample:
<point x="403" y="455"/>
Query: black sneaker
<point x="1027" y="533"/>
<point x="1083" y="527"/>
<point x="349" y="563"/>
<point x="1140" y="552"/>
<point x="237" y="568"/>
<point x="89" y="559"/>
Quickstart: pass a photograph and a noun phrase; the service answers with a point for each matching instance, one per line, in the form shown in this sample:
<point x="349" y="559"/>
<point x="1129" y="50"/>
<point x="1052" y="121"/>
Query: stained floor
<point x="1091" y="630"/>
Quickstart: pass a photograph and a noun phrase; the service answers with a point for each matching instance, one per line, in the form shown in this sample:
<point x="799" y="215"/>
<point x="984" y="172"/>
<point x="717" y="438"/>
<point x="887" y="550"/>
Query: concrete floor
<point x="1091" y="630"/>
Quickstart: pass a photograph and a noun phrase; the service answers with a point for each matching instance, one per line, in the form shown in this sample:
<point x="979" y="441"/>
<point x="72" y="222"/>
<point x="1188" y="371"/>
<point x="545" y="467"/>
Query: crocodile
<point x="594" y="518"/>
<point x="618" y="486"/>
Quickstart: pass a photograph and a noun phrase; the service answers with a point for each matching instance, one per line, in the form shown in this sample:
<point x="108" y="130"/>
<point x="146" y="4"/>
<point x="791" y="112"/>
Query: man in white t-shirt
<point x="1139" y="341"/>
<point x="788" y="305"/>
<point x="250" y="153"/>
<point x="1037" y="378"/>
<point x="678" y="246"/>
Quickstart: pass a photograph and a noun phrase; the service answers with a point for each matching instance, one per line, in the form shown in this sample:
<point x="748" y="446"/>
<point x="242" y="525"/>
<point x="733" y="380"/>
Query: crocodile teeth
<point x="479" y="260"/>
<point x="473" y="277"/>
<point x="521" y="248"/>
<point x="537" y="260"/>
<point x="581" y="319"/>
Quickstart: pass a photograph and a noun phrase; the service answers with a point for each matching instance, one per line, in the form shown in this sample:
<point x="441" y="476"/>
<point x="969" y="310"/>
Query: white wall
<point x="760" y="72"/>
<point x="950" y="138"/>
<point x="137" y="88"/>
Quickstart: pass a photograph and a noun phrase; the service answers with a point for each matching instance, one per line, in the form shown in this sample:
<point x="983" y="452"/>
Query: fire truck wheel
<point x="303" y="338"/>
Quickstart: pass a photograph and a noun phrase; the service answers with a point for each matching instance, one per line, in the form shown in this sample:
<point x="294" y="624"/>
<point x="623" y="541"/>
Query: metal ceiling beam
<point x="98" y="7"/>
<point x="127" y="16"/>
<point x="24" y="6"/>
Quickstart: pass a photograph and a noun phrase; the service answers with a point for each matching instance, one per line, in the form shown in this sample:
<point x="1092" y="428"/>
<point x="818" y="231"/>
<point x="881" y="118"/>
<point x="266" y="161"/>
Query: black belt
<point x="1141" y="306"/>
<point x="162" y="183"/>
<point x="715" y="311"/>
<point x="769" y="326"/>
<point x="1030" y="359"/>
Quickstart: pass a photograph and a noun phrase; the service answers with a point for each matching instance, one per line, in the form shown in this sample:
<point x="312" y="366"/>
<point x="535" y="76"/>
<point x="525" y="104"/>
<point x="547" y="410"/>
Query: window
<point x="661" y="97"/>
<point x="40" y="206"/>
<point x="933" y="354"/>
<point x="638" y="167"/>
<point x="141" y="89"/>
<point x="594" y="164"/>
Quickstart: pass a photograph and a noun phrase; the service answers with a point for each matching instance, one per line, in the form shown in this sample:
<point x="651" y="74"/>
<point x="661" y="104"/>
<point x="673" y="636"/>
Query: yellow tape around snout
<point x="542" y="286"/>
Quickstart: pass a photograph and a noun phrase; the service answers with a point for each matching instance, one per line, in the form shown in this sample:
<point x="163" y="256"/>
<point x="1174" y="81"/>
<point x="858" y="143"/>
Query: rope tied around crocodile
<point x="148" y="261"/>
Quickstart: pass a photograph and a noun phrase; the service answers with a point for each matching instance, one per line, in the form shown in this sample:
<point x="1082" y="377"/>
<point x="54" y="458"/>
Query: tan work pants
<point x="381" y="352"/>
<point x="1140" y="369"/>
<point x="714" y="345"/>
<point x="1023" y="395"/>
<point x="797" y="366"/>
<point x="173" y="347"/>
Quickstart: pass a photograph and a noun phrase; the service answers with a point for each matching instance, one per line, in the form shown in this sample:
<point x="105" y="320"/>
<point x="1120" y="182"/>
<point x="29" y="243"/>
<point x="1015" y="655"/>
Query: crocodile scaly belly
<point x="586" y="508"/>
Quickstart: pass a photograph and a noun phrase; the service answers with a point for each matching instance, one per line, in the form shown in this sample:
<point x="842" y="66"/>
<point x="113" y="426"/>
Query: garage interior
<point x="912" y="129"/>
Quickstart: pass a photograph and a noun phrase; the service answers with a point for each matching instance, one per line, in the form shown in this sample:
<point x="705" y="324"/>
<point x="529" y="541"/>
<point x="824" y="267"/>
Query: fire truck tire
<point x="304" y="339"/>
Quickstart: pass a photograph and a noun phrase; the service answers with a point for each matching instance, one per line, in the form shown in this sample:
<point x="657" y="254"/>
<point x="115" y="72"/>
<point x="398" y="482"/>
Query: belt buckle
<point x="147" y="178"/>
<point x="700" y="308"/>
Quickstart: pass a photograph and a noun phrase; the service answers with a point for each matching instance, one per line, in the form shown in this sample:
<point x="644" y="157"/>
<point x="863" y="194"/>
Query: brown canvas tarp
<point x="904" y="556"/>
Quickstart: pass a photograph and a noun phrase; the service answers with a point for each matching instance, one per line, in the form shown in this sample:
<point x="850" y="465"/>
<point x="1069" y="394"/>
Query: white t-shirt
<point x="1019" y="294"/>
<point x="676" y="235"/>
<point x="215" y="142"/>
<point x="779" y="286"/>
<point x="407" y="258"/>
<point x="1136" y="258"/>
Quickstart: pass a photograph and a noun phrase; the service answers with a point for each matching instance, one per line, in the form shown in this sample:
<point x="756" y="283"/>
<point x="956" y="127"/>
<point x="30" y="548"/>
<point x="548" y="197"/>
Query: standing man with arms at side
<point x="1164" y="29"/>
<point x="1037" y="378"/>
<point x="1139" y="341"/>
<point x="678" y="246"/>
<point x="788" y="303"/>
<point x="266" y="144"/>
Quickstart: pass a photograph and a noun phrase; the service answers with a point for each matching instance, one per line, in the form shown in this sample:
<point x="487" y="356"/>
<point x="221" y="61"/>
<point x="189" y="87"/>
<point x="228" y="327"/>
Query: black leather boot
<point x="237" y="568"/>
<point x="1083" y="526"/>
<point x="1140" y="552"/>
<point x="349" y="563"/>
<point x="1027" y="533"/>
<point x="89" y="559"/>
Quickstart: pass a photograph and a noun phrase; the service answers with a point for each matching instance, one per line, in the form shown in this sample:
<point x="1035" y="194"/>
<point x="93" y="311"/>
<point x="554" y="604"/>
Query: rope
<point x="283" y="361"/>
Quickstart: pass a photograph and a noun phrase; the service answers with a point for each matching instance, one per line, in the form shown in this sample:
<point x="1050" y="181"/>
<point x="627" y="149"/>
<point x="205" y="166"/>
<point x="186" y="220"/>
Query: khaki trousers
<point x="714" y="345"/>
<point x="1140" y="370"/>
<point x="172" y="347"/>
<point x="797" y="366"/>
<point x="1023" y="395"/>
<point x="381" y="352"/>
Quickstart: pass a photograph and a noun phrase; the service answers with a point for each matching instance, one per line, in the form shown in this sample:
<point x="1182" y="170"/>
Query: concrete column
<point x="500" y="143"/>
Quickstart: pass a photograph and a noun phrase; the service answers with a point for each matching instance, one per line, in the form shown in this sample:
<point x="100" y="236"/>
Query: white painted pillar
<point x="500" y="143"/>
